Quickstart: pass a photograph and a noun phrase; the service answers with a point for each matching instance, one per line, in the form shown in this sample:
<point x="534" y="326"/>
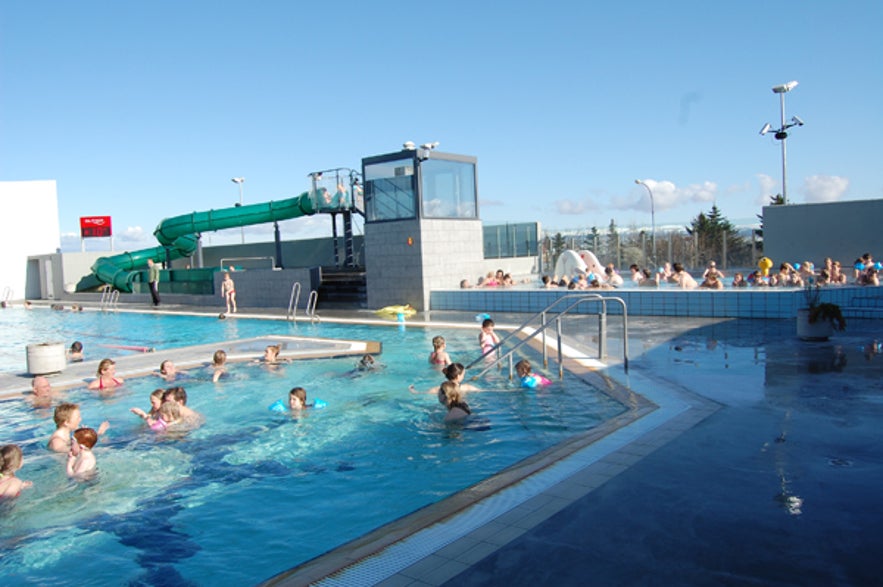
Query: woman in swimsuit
<point x="105" y="376"/>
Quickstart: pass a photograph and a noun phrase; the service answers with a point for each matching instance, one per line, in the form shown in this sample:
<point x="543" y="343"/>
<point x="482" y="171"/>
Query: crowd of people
<point x="865" y="272"/>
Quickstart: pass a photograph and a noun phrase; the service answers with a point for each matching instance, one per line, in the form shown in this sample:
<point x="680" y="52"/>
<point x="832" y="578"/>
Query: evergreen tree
<point x="776" y="200"/>
<point x="709" y="233"/>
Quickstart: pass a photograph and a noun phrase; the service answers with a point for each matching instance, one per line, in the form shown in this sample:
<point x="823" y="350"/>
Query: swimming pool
<point x="252" y="492"/>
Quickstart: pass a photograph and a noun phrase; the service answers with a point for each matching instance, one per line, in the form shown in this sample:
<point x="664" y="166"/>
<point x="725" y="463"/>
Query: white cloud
<point x="825" y="188"/>
<point x="667" y="195"/>
<point x="768" y="189"/>
<point x="572" y="207"/>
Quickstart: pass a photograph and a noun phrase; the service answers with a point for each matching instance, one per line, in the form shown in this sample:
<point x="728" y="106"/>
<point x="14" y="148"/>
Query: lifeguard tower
<point x="422" y="229"/>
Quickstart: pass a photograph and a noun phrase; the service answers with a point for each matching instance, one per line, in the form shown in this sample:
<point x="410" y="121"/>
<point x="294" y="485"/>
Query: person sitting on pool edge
<point x="106" y="378"/>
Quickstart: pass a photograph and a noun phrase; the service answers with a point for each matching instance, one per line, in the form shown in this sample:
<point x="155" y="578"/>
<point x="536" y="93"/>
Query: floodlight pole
<point x="240" y="180"/>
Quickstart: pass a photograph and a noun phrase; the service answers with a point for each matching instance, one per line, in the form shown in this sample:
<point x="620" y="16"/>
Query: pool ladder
<point x="7" y="293"/>
<point x="310" y="310"/>
<point x="562" y="306"/>
<point x="110" y="296"/>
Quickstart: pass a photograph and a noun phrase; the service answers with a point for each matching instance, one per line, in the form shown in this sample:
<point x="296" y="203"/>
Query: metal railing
<point x="573" y="302"/>
<point x="312" y="300"/>
<point x="7" y="293"/>
<point x="110" y="296"/>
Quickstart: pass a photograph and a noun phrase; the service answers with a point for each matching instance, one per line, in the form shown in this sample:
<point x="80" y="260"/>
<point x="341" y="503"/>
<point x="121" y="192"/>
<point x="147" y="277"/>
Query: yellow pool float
<point x="394" y="311"/>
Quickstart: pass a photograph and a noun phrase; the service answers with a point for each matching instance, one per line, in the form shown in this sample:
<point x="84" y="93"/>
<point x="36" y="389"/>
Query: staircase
<point x="343" y="289"/>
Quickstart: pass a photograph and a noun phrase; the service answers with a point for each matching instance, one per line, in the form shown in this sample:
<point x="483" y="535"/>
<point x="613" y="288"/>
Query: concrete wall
<point x="811" y="232"/>
<point x="28" y="226"/>
<point x="301" y="253"/>
<point x="439" y="254"/>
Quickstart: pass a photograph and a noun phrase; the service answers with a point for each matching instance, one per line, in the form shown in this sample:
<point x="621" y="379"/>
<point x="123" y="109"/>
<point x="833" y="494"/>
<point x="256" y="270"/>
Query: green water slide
<point x="179" y="235"/>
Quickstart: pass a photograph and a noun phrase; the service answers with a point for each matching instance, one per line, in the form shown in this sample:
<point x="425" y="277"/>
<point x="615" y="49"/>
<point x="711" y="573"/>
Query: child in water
<point x="487" y="338"/>
<point x="67" y="419"/>
<point x="439" y="356"/>
<point x="11" y="461"/>
<point x="219" y="365"/>
<point x="169" y="413"/>
<point x="527" y="377"/>
<point x="80" y="459"/>
<point x="155" y="403"/>
<point x="75" y="353"/>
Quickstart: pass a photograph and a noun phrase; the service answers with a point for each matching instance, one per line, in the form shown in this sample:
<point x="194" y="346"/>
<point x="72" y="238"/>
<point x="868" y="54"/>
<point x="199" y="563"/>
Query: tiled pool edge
<point x="474" y="526"/>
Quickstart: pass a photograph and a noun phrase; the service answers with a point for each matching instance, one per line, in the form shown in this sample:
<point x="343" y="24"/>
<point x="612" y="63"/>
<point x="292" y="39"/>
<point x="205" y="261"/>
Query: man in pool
<point x="43" y="393"/>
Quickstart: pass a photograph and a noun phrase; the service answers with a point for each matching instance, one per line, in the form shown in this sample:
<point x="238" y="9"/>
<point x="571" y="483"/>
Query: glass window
<point x="448" y="189"/>
<point x="390" y="190"/>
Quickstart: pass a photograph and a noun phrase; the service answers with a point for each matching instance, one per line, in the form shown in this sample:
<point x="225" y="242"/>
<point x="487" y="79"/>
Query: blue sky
<point x="145" y="110"/>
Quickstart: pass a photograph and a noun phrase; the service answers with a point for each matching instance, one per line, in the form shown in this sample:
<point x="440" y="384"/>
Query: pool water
<point x="253" y="492"/>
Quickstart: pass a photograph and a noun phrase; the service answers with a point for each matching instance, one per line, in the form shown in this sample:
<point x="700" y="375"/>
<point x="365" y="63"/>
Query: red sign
<point x="95" y="226"/>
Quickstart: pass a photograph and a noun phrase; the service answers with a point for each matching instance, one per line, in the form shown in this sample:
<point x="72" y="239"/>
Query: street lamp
<point x="782" y="132"/>
<point x="240" y="180"/>
<point x="652" y="220"/>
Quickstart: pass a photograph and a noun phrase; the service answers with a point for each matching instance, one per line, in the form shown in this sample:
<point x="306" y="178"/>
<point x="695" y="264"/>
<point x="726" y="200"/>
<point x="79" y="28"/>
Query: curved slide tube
<point x="179" y="234"/>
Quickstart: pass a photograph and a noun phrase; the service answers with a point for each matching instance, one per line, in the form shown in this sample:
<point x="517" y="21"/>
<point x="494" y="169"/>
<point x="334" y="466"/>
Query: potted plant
<point x="819" y="319"/>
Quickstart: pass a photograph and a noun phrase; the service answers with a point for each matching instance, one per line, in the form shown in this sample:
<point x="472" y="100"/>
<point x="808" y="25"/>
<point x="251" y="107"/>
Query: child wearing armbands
<point x="297" y="402"/>
<point x="528" y="378"/>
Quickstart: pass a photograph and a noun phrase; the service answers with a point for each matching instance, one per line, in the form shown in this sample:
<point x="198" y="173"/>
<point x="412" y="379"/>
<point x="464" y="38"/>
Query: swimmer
<point x="156" y="400"/>
<point x="169" y="414"/>
<point x="106" y="378"/>
<point x="178" y="395"/>
<point x="527" y="377"/>
<point x="75" y="353"/>
<point x="67" y="419"/>
<point x="439" y="356"/>
<point x="455" y="372"/>
<point x="297" y="399"/>
<point x="43" y="393"/>
<point x="271" y="355"/>
<point x="219" y="365"/>
<point x="169" y="372"/>
<point x="455" y="401"/>
<point x="11" y="460"/>
<point x="80" y="459"/>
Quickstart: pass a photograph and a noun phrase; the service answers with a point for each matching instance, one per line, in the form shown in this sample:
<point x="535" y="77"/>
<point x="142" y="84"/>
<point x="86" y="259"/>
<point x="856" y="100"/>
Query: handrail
<point x="7" y="293"/>
<point x="544" y="325"/>
<point x="292" y="301"/>
<point x="311" y="306"/>
<point x="312" y="300"/>
<point x="109" y="297"/>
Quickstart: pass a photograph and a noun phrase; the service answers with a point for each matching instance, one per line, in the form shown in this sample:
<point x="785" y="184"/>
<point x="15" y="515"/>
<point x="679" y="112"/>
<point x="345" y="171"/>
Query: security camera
<point x="766" y="128"/>
<point x="408" y="146"/>
<point x="785" y="87"/>
<point x="797" y="121"/>
<point x="429" y="146"/>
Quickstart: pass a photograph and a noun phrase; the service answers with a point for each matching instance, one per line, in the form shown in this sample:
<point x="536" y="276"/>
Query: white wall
<point x="28" y="226"/>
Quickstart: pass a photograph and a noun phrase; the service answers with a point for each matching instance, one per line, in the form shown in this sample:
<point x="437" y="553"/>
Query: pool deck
<point x="754" y="462"/>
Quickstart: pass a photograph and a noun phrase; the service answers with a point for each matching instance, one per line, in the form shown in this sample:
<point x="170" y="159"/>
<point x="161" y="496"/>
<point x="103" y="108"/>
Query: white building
<point x="29" y="226"/>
